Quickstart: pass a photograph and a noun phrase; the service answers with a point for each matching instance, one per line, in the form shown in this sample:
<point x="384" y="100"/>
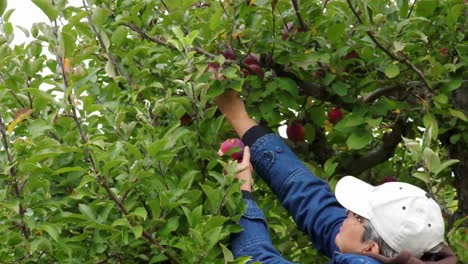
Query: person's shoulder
<point x="353" y="259"/>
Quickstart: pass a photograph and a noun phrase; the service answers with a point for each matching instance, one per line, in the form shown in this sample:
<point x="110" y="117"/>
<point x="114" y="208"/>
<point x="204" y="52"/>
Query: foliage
<point x="109" y="133"/>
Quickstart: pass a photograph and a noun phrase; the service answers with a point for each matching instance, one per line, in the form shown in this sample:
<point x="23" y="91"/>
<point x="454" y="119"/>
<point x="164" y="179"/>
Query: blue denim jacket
<point x="307" y="198"/>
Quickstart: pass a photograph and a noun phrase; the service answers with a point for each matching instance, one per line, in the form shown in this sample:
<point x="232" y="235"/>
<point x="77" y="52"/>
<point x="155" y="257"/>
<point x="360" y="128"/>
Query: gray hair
<point x="371" y="235"/>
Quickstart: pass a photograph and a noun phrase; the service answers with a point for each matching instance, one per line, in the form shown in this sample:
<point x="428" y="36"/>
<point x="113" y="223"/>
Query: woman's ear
<point x="373" y="247"/>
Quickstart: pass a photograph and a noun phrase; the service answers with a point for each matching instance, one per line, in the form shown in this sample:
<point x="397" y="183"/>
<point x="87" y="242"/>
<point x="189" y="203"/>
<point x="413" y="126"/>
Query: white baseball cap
<point x="405" y="216"/>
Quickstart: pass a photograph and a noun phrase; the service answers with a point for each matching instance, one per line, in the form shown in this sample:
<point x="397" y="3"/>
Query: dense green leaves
<point x="115" y="160"/>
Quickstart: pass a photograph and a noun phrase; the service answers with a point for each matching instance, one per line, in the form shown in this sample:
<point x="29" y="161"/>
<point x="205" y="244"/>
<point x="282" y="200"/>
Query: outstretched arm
<point x="307" y="198"/>
<point x="233" y="108"/>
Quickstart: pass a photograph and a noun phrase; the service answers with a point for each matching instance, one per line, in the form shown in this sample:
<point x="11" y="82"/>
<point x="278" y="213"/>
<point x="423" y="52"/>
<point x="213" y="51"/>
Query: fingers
<point x="220" y="153"/>
<point x="246" y="156"/>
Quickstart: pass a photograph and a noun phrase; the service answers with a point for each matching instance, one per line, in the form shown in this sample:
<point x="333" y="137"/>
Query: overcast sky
<point x="26" y="13"/>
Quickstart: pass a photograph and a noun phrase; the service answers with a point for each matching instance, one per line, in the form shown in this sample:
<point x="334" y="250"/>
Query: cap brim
<point x="354" y="194"/>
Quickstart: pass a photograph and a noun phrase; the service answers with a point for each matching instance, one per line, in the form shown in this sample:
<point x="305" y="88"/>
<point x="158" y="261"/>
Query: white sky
<point x="26" y="13"/>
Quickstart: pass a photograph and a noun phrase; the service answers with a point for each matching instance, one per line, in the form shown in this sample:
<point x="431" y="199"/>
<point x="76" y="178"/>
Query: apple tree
<point x="109" y="132"/>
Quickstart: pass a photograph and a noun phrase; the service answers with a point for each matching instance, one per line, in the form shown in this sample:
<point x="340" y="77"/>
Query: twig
<point x="386" y="51"/>
<point x="16" y="189"/>
<point x="221" y="3"/>
<point x="106" y="50"/>
<point x="298" y="14"/>
<point x="412" y="8"/>
<point x="17" y="99"/>
<point x="273" y="22"/>
<point x="161" y="41"/>
<point x="325" y="5"/>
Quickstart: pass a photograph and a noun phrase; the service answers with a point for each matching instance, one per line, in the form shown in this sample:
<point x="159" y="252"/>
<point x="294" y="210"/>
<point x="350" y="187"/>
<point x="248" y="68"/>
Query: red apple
<point x="295" y="132"/>
<point x="319" y="74"/>
<point x="444" y="51"/>
<point x="254" y="68"/>
<point x="232" y="144"/>
<point x="351" y="55"/>
<point x="229" y="53"/>
<point x="335" y="115"/>
<point x="388" y="179"/>
<point x="215" y="69"/>
<point x="213" y="66"/>
<point x="185" y="119"/>
<point x="251" y="59"/>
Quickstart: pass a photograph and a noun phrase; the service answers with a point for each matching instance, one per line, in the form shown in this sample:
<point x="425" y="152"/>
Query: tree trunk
<point x="460" y="151"/>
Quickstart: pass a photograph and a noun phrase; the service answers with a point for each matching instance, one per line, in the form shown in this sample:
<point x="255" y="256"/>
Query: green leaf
<point x="194" y="216"/>
<point x="100" y="16"/>
<point x="119" y="36"/>
<point x="458" y="114"/>
<point x="391" y="71"/>
<point x="432" y="129"/>
<point x="421" y="175"/>
<point x="398" y="46"/>
<point x="213" y="195"/>
<point x="137" y="231"/>
<point x="445" y="165"/>
<point x="432" y="160"/>
<point x="452" y="85"/>
<point x="48" y="8"/>
<point x="227" y="254"/>
<point x="187" y="179"/>
<point x="454" y="14"/>
<point x="140" y="212"/>
<point x="359" y="139"/>
<point x="69" y="42"/>
<point x="454" y="138"/>
<point x="426" y="8"/>
<point x="330" y="166"/>
<point x="3" y="6"/>
<point x="87" y="211"/>
<point x="309" y="132"/>
<point x="403" y="8"/>
<point x="335" y="32"/>
<point x="68" y="169"/>
<point x="120" y="222"/>
<point x="171" y="225"/>
<point x="341" y="88"/>
<point x="51" y="229"/>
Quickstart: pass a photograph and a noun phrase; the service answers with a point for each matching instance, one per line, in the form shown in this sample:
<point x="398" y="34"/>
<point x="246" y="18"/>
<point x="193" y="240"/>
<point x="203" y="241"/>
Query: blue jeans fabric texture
<point x="307" y="198"/>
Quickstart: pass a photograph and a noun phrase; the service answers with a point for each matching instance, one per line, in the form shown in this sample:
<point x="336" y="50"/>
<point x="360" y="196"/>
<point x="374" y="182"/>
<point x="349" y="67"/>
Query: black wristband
<point x="253" y="134"/>
<point x="247" y="195"/>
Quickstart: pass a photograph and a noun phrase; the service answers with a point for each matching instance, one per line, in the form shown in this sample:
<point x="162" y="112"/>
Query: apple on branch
<point x="229" y="53"/>
<point x="234" y="147"/>
<point x="252" y="59"/>
<point x="295" y="132"/>
<point x="215" y="69"/>
<point x="335" y="115"/>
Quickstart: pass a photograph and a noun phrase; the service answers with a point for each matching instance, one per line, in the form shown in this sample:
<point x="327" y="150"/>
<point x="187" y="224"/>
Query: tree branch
<point x="162" y="42"/>
<point x="325" y="5"/>
<point x="412" y="8"/>
<point x="374" y="157"/>
<point x="386" y="51"/>
<point x="315" y="90"/>
<point x="298" y="14"/>
<point x="106" y="50"/>
<point x="16" y="189"/>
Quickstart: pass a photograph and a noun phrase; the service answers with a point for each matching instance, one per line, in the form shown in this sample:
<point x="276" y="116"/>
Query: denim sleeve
<point x="254" y="240"/>
<point x="307" y="198"/>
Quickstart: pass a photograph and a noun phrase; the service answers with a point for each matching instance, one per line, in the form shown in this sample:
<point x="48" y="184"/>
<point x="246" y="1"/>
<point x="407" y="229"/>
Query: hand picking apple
<point x="395" y="222"/>
<point x="234" y="147"/>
